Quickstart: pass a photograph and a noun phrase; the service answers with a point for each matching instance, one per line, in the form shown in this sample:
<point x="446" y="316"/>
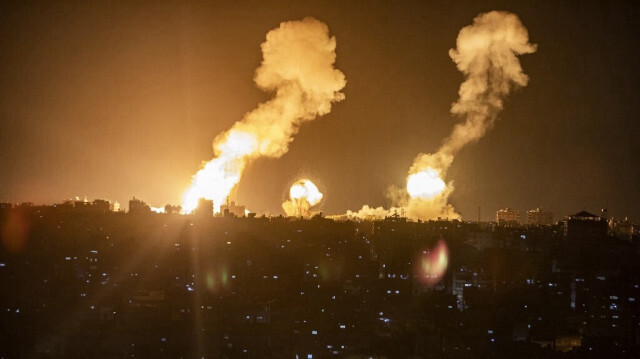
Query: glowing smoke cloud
<point x="486" y="53"/>
<point x="298" y="59"/>
<point x="302" y="196"/>
<point x="158" y="209"/>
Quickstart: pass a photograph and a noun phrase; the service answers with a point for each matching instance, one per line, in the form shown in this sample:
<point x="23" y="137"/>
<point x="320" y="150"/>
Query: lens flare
<point x="432" y="265"/>
<point x="302" y="196"/>
<point x="425" y="184"/>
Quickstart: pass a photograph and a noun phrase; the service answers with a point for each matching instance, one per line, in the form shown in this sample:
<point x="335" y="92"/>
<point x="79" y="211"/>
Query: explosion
<point x="486" y="53"/>
<point x="425" y="184"/>
<point x="297" y="66"/>
<point x="302" y="196"/>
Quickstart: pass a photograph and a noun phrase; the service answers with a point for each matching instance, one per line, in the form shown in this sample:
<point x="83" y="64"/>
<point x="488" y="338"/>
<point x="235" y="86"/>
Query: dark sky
<point x="120" y="99"/>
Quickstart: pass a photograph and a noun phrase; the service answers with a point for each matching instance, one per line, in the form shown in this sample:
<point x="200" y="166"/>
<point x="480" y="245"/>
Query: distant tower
<point x="508" y="215"/>
<point x="585" y="226"/>
<point x="539" y="217"/>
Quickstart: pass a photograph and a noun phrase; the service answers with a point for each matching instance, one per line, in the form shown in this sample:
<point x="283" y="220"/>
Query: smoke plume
<point x="298" y="67"/>
<point x="486" y="53"/>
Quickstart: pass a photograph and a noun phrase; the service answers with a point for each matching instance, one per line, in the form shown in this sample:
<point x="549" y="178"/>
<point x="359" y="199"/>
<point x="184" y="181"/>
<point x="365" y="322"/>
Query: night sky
<point x="120" y="99"/>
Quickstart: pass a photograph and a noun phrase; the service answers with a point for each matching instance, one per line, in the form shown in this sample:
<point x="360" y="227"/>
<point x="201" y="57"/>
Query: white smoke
<point x="486" y="53"/>
<point x="371" y="213"/>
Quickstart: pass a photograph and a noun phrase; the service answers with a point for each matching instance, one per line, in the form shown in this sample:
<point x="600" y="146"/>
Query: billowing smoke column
<point x="486" y="53"/>
<point x="297" y="65"/>
<point x="302" y="196"/>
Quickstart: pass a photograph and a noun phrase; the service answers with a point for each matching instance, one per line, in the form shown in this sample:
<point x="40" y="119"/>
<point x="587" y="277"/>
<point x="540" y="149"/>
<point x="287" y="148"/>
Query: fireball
<point x="302" y="196"/>
<point x="305" y="190"/>
<point x="218" y="177"/>
<point x="425" y="184"/>
<point x="298" y="68"/>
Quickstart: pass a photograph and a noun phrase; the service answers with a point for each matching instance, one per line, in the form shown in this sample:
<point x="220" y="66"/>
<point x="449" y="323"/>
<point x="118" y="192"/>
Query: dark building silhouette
<point x="585" y="226"/>
<point x="232" y="209"/>
<point x="137" y="206"/>
<point x="5" y="208"/>
<point x="171" y="209"/>
<point x="84" y="206"/>
<point x="110" y="285"/>
<point x="101" y="205"/>
<point x="205" y="208"/>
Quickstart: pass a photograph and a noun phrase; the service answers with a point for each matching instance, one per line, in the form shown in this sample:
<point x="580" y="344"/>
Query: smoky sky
<point x="120" y="99"/>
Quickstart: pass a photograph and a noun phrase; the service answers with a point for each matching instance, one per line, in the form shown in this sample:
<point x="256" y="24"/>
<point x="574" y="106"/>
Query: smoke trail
<point x="302" y="196"/>
<point x="298" y="59"/>
<point x="486" y="53"/>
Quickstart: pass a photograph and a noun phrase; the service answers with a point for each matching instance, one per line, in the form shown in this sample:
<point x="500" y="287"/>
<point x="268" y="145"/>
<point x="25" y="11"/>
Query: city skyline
<point x="80" y="280"/>
<point x="116" y="101"/>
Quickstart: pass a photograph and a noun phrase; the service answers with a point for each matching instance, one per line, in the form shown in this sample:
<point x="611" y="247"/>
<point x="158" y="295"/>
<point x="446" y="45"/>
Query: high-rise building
<point x="539" y="216"/>
<point x="508" y="215"/>
<point x="585" y="226"/>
